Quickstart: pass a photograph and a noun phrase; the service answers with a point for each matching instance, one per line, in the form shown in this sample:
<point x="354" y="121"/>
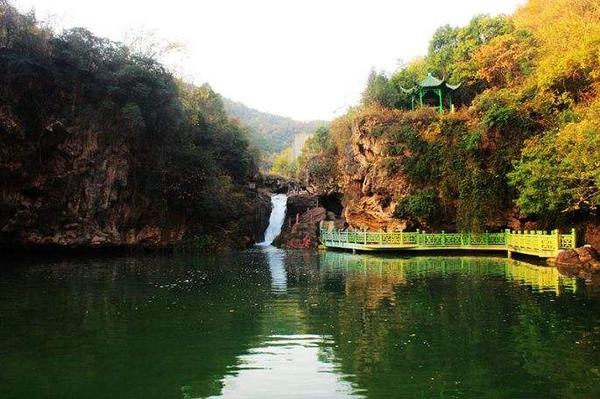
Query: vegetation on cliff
<point x="97" y="143"/>
<point x="523" y="145"/>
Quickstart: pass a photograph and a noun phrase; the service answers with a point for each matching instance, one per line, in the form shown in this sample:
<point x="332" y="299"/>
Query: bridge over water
<point x="539" y="243"/>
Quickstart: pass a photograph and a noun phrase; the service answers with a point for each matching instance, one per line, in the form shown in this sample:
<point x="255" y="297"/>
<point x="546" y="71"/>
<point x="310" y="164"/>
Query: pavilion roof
<point x="431" y="82"/>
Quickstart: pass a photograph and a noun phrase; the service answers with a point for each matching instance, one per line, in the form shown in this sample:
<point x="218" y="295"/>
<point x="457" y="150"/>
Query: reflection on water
<point x="539" y="278"/>
<point x="275" y="257"/>
<point x="293" y="365"/>
<point x="275" y="324"/>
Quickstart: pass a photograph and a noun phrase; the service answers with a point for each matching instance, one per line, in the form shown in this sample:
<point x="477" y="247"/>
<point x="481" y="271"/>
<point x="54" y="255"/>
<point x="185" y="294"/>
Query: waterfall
<point x="279" y="203"/>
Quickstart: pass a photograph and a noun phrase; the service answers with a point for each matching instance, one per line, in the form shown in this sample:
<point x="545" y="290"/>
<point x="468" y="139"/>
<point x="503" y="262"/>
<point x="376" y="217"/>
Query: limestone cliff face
<point x="371" y="188"/>
<point x="71" y="187"/>
<point x="78" y="194"/>
<point x="372" y="180"/>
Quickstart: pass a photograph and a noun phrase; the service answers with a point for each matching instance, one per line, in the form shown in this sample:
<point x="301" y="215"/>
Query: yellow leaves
<point x="284" y="163"/>
<point x="578" y="148"/>
<point x="582" y="137"/>
<point x="569" y="34"/>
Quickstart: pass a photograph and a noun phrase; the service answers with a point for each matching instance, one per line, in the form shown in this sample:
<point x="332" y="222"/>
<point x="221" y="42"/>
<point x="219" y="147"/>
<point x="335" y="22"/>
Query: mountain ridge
<point x="270" y="133"/>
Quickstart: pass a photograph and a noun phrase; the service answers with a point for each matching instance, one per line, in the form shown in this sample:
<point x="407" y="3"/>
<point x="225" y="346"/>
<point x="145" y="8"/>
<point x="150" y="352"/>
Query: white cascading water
<point x="279" y="203"/>
<point x="275" y="256"/>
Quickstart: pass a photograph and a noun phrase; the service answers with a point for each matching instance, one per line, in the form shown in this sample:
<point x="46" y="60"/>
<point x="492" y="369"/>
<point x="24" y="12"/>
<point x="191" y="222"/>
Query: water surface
<point x="274" y="324"/>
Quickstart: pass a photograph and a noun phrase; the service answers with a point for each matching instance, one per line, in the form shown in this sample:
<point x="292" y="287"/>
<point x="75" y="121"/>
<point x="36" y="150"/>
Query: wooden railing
<point x="539" y="243"/>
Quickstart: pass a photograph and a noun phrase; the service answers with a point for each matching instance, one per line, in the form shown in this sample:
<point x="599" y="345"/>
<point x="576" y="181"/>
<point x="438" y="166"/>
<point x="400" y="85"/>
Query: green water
<point x="272" y="324"/>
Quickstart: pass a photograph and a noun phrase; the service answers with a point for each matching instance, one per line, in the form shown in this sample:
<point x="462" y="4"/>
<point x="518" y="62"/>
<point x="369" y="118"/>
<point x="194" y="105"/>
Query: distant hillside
<point x="270" y="133"/>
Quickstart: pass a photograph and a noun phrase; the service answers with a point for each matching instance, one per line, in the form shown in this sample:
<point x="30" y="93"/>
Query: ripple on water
<point x="287" y="366"/>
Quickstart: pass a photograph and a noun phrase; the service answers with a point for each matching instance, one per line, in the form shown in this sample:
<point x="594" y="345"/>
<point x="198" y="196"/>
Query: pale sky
<point x="306" y="59"/>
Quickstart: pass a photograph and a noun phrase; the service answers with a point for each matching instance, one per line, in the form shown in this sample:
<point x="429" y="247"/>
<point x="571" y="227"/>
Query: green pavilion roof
<point x="431" y="85"/>
<point x="431" y="82"/>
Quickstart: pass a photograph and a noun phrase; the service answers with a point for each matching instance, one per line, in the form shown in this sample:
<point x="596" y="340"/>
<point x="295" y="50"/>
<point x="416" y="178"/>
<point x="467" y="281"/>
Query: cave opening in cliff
<point x="332" y="202"/>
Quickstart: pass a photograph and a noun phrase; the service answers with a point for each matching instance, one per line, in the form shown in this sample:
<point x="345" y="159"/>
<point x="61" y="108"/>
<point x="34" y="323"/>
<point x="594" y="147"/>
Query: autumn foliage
<point x="525" y="141"/>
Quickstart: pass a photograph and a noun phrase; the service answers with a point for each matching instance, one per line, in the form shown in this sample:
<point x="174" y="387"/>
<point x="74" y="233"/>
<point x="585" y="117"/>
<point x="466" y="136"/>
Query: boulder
<point x="583" y="262"/>
<point x="583" y="257"/>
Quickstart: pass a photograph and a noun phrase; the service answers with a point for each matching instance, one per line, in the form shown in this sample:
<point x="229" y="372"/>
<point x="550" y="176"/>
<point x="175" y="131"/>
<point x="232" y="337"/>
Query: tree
<point x="507" y="59"/>
<point x="442" y="47"/>
<point x="284" y="164"/>
<point x="560" y="172"/>
<point x="568" y="32"/>
<point x="380" y="91"/>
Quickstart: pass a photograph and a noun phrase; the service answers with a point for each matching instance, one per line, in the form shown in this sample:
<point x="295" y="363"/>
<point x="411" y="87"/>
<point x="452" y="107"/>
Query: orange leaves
<point x="507" y="59"/>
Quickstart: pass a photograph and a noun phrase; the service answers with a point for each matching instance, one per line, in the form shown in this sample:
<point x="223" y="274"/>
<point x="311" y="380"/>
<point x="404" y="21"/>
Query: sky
<point x="306" y="59"/>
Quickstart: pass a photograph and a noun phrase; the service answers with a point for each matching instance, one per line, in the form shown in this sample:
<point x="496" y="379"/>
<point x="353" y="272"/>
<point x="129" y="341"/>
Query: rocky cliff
<point x="78" y="193"/>
<point x="399" y="170"/>
<point x="73" y="188"/>
<point x="370" y="188"/>
<point x="102" y="147"/>
<point x="304" y="213"/>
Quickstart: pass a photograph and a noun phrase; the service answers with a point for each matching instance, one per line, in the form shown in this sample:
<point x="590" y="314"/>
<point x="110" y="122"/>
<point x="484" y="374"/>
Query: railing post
<point x="443" y="238"/>
<point x="365" y="237"/>
<point x="574" y="234"/>
<point x="402" y="237"/>
<point x="557" y="240"/>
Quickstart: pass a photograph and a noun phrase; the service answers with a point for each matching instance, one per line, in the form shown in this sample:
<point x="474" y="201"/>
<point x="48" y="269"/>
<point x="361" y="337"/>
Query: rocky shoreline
<point x="582" y="262"/>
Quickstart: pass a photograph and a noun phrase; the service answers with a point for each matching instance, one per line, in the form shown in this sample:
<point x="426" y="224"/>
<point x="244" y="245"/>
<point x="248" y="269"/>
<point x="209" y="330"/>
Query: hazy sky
<point x="307" y="59"/>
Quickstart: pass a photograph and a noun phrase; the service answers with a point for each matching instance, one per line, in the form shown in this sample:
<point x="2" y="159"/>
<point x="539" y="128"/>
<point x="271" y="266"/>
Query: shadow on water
<point x="126" y="327"/>
<point x="270" y="323"/>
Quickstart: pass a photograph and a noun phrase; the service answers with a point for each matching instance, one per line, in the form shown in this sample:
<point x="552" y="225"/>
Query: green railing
<point x="538" y="243"/>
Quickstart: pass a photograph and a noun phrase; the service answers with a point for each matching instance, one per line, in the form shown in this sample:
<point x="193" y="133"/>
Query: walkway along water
<point x="536" y="243"/>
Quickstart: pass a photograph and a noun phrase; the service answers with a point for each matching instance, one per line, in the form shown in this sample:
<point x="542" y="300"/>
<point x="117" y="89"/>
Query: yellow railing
<point x="538" y="243"/>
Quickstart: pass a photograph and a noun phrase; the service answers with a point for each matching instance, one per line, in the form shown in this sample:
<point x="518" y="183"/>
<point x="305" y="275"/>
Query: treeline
<point x="525" y="139"/>
<point x="185" y="156"/>
<point x="270" y="134"/>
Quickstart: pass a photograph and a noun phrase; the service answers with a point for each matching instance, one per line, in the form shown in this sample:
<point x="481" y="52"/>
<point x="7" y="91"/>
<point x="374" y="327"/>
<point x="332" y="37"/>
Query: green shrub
<point x="423" y="204"/>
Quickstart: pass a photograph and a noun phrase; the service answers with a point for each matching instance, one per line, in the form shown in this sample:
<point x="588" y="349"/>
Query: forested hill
<point x="103" y="147"/>
<point x="519" y="147"/>
<point x="270" y="133"/>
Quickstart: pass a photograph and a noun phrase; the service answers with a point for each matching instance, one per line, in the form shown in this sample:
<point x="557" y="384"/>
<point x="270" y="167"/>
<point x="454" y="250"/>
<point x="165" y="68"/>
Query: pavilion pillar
<point x="421" y="97"/>
<point x="439" y="92"/>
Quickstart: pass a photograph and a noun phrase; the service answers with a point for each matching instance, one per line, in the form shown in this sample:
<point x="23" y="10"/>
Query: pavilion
<point x="439" y="87"/>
